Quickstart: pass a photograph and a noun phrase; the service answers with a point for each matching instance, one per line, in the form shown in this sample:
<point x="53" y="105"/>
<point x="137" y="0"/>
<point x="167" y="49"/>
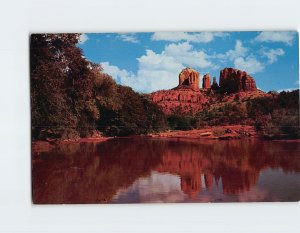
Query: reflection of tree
<point x="93" y="173"/>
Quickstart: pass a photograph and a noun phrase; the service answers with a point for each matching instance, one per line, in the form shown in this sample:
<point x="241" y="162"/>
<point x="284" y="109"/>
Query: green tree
<point x="61" y="86"/>
<point x="134" y="114"/>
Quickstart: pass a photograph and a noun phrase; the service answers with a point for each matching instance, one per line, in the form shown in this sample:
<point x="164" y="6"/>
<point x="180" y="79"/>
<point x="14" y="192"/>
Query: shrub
<point x="178" y="122"/>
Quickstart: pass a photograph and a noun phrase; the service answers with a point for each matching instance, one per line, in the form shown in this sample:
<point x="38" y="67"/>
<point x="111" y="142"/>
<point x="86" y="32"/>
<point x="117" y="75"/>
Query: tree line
<point x="71" y="97"/>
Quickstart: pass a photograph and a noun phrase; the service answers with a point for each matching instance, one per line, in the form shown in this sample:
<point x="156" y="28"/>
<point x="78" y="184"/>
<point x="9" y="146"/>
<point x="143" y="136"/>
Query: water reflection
<point x="167" y="170"/>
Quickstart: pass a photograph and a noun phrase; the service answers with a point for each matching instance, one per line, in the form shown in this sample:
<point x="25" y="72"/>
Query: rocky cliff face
<point x="206" y="81"/>
<point x="189" y="78"/>
<point x="214" y="85"/>
<point x="179" y="100"/>
<point x="188" y="97"/>
<point x="233" y="80"/>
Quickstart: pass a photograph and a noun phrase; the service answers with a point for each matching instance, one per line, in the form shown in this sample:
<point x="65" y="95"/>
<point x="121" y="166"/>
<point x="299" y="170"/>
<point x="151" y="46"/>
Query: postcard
<point x="165" y="117"/>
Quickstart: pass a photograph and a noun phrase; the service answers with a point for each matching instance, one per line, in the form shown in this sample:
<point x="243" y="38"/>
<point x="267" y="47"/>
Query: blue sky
<point x="152" y="61"/>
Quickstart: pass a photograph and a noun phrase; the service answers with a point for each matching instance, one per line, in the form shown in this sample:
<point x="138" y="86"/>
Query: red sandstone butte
<point x="234" y="80"/>
<point x="186" y="97"/>
<point x="206" y="81"/>
<point x="215" y="85"/>
<point x="189" y="77"/>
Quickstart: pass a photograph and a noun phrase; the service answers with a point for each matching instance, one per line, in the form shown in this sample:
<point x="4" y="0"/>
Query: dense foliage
<point x="179" y="122"/>
<point x="275" y="116"/>
<point x="61" y="86"/>
<point x="71" y="97"/>
<point x="136" y="114"/>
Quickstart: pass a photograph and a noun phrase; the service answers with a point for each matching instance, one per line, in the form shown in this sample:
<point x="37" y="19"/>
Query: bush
<point x="136" y="114"/>
<point x="282" y="123"/>
<point x="177" y="122"/>
<point x="230" y="113"/>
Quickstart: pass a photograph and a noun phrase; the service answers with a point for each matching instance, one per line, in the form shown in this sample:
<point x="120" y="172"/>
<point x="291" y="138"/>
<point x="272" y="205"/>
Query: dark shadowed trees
<point x="71" y="97"/>
<point x="134" y="114"/>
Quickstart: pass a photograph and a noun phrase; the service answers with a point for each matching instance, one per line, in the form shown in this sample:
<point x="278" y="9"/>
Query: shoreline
<point x="230" y="132"/>
<point x="39" y="146"/>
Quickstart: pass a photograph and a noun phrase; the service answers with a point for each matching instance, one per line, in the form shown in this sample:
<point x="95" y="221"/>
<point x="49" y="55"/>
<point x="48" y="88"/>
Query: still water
<point x="151" y="170"/>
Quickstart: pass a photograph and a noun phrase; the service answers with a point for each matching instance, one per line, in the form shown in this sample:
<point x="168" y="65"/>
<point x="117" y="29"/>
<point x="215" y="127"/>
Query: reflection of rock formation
<point x="93" y="173"/>
<point x="208" y="178"/>
<point x="216" y="161"/>
<point x="190" y="166"/>
<point x="238" y="181"/>
<point x="191" y="185"/>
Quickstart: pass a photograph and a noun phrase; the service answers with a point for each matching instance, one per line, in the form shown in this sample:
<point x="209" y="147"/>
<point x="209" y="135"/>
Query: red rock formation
<point x="179" y="100"/>
<point x="214" y="85"/>
<point x="233" y="80"/>
<point x="186" y="97"/>
<point x="206" y="81"/>
<point x="190" y="78"/>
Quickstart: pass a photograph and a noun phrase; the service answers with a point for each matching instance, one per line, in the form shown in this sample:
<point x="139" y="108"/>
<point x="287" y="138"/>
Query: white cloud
<point x="160" y="70"/>
<point x="238" y="51"/>
<point x="284" y="37"/>
<point x="249" y="64"/>
<point x="287" y="89"/>
<point x="241" y="58"/>
<point x="200" y="37"/>
<point x="273" y="54"/>
<point x="121" y="76"/>
<point x="146" y="80"/>
<point x="156" y="188"/>
<point x="129" y="37"/>
<point x="83" y="38"/>
<point x="184" y="53"/>
<point x="114" y="71"/>
<point x="154" y="61"/>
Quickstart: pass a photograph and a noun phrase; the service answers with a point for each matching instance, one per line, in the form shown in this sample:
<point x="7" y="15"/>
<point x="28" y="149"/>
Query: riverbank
<point x="43" y="146"/>
<point x="214" y="133"/>
<point x="229" y="132"/>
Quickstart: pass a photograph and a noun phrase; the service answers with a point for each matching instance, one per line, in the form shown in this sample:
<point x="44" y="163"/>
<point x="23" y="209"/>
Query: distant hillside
<point x="235" y="100"/>
<point x="187" y="97"/>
